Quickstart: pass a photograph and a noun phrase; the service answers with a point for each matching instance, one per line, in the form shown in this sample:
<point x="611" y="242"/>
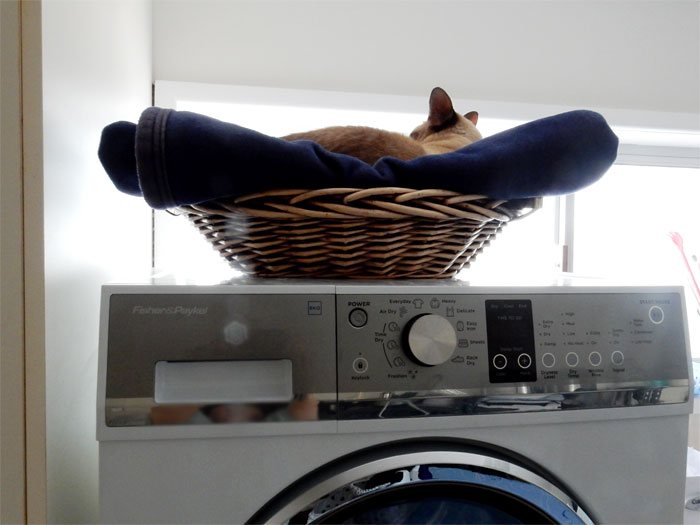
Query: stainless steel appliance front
<point x="381" y="352"/>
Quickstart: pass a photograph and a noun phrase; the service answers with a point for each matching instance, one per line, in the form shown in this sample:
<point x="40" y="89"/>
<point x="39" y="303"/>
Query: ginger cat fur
<point x="444" y="131"/>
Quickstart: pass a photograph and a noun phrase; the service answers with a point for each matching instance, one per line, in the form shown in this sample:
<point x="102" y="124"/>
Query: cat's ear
<point x="473" y="116"/>
<point x="441" y="110"/>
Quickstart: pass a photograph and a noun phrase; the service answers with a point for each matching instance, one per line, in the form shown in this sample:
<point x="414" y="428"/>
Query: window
<point x="623" y="223"/>
<point x="618" y="228"/>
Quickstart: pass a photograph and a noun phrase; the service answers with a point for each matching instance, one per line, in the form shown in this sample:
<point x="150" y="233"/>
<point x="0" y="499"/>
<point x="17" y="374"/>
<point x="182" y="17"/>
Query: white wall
<point x="97" y="69"/>
<point x="592" y="54"/>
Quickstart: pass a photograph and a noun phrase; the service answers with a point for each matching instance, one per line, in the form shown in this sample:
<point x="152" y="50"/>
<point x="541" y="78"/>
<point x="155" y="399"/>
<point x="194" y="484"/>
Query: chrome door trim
<point x="409" y="460"/>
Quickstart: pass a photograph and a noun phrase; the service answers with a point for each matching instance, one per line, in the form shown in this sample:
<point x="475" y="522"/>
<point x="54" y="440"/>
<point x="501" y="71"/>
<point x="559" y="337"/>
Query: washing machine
<point x="412" y="402"/>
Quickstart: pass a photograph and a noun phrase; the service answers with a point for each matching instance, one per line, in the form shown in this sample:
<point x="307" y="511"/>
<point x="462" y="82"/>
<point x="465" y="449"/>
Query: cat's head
<point x="445" y="126"/>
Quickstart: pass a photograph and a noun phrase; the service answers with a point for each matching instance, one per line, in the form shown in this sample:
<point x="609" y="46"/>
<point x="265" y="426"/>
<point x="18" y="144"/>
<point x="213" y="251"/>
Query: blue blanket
<point x="172" y="158"/>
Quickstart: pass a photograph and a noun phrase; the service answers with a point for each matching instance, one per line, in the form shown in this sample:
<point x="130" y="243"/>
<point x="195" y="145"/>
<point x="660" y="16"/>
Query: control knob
<point x="431" y="339"/>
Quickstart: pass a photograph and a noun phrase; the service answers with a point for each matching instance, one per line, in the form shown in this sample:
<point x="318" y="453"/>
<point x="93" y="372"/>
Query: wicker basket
<point x="378" y="233"/>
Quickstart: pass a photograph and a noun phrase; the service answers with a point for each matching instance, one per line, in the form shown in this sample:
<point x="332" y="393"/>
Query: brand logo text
<point x="170" y="310"/>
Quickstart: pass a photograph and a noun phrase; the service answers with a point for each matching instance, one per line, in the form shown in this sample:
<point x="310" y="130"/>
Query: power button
<point x="358" y="318"/>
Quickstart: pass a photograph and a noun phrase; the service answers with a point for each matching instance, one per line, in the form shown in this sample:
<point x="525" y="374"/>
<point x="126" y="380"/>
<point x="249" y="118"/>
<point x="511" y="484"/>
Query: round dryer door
<point x="443" y="485"/>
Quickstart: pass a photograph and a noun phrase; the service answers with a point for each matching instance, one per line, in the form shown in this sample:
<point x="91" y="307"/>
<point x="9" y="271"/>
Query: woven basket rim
<point x="377" y="203"/>
<point x="358" y="233"/>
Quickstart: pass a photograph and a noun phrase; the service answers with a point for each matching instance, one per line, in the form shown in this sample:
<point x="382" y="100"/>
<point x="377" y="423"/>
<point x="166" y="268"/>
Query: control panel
<point x="547" y="342"/>
<point x="325" y="352"/>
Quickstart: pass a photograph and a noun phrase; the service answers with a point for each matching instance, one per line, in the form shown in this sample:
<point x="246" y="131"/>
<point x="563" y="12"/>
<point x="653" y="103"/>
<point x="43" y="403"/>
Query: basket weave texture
<point x="377" y="233"/>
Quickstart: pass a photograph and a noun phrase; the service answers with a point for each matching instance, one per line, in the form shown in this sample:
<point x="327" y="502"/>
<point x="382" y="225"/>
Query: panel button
<point x="617" y="358"/>
<point x="524" y="361"/>
<point x="656" y="314"/>
<point x="358" y="318"/>
<point x="572" y="359"/>
<point x="360" y="365"/>
<point x="500" y="361"/>
<point x="548" y="360"/>
<point x="594" y="358"/>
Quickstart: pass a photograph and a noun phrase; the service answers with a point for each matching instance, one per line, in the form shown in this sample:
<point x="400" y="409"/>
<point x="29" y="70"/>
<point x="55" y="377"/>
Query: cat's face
<point x="445" y="125"/>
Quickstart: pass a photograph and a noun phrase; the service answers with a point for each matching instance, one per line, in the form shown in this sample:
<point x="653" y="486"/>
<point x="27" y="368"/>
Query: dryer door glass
<point x="438" y="503"/>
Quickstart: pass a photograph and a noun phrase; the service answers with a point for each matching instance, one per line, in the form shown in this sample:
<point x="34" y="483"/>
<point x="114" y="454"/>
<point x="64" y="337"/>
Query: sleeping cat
<point x="444" y="131"/>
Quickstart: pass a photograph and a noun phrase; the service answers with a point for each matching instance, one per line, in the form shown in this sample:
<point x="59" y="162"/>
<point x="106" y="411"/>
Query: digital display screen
<point x="511" y="340"/>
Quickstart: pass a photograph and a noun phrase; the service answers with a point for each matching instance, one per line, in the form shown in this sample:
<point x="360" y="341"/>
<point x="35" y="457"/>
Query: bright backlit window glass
<point x="617" y="229"/>
<point x="623" y="223"/>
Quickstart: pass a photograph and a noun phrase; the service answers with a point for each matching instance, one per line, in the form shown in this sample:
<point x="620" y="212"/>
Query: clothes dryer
<point x="298" y="402"/>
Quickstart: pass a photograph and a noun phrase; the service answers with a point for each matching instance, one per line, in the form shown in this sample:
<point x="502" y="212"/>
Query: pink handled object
<point x="678" y="241"/>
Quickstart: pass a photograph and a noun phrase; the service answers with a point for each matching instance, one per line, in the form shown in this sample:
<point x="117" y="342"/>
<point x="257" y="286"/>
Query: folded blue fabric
<point x="174" y="158"/>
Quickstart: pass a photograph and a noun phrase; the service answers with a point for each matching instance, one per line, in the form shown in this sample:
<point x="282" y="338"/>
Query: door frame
<point x="22" y="358"/>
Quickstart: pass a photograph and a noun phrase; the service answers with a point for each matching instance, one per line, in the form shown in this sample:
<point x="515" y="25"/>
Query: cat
<point x="444" y="131"/>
